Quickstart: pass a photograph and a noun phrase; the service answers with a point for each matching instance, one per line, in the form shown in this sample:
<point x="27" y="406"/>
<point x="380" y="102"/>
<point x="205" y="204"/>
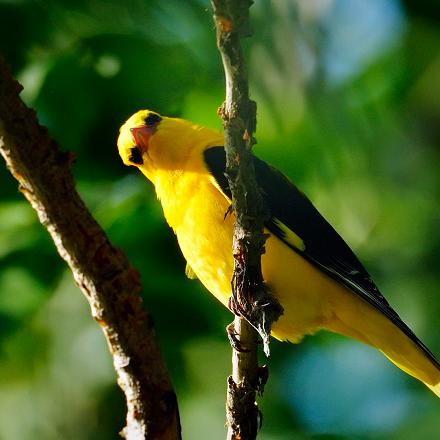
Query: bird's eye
<point x="136" y="156"/>
<point x="152" y="119"/>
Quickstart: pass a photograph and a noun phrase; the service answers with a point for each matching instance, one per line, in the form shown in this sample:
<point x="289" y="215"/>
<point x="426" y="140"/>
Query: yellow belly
<point x="205" y="238"/>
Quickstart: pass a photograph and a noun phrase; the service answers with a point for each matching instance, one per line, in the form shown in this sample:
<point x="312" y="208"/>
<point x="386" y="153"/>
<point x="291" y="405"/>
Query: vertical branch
<point x="103" y="273"/>
<point x="250" y="298"/>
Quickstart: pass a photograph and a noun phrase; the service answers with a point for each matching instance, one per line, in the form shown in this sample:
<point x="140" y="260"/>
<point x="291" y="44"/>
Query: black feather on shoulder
<point x="295" y="220"/>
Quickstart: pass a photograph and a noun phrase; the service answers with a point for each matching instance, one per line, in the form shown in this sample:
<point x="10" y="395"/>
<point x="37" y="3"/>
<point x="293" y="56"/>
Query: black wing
<point x="295" y="220"/>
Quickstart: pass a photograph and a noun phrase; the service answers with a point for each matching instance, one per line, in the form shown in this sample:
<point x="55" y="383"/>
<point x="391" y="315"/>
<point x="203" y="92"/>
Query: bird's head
<point x="153" y="142"/>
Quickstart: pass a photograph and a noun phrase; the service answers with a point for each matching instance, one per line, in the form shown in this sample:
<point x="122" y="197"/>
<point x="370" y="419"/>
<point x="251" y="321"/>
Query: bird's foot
<point x="228" y="212"/>
<point x="233" y="339"/>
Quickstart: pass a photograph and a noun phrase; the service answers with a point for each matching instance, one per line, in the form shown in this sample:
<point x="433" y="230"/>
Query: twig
<point x="103" y="273"/>
<point x="250" y="298"/>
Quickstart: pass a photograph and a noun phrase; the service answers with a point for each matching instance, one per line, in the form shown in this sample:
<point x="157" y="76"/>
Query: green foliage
<point x="347" y="106"/>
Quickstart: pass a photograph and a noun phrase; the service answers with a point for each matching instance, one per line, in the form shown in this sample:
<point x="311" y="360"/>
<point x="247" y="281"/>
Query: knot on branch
<point x="241" y="111"/>
<point x="234" y="15"/>
<point x="224" y="24"/>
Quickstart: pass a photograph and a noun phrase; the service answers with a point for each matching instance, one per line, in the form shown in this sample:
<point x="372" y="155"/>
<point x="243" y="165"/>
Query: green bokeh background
<point x="348" y="96"/>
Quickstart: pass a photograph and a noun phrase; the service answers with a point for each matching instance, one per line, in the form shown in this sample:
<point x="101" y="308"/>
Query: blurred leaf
<point x="20" y="293"/>
<point x="17" y="227"/>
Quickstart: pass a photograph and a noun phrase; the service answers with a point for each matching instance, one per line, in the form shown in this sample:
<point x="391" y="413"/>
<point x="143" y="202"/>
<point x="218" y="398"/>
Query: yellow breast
<point x="197" y="211"/>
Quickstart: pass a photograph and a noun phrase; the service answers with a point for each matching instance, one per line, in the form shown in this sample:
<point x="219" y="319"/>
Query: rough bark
<point x="250" y="298"/>
<point x="103" y="273"/>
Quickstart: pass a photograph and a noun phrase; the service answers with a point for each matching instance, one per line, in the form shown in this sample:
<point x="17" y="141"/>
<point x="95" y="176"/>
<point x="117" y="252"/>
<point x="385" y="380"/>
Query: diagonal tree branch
<point x="103" y="273"/>
<point x="250" y="298"/>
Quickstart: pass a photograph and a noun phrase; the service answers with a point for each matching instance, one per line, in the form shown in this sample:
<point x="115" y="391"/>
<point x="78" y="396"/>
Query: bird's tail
<point x="366" y="324"/>
<point x="417" y="364"/>
<point x="435" y="389"/>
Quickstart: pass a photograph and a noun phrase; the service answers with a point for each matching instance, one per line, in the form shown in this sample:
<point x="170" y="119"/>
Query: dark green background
<point x="348" y="96"/>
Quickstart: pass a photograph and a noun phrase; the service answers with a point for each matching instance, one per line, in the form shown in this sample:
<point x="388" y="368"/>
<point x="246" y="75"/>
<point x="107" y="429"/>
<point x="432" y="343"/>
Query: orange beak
<point x="141" y="136"/>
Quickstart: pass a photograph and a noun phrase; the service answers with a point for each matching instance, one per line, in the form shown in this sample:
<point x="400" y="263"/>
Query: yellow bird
<point x="310" y="269"/>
